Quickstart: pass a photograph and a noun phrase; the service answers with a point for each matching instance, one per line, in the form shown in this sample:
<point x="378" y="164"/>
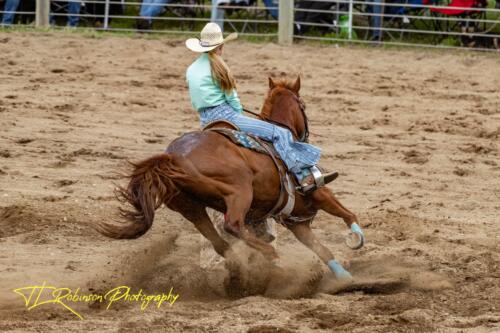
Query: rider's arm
<point x="233" y="100"/>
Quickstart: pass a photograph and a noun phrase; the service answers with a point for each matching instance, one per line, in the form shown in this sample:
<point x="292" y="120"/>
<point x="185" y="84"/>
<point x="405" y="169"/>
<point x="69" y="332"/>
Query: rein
<point x="305" y="135"/>
<point x="251" y="112"/>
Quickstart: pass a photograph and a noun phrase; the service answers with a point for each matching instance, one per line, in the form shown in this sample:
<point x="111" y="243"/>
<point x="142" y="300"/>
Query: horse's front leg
<point x="324" y="199"/>
<point x="305" y="235"/>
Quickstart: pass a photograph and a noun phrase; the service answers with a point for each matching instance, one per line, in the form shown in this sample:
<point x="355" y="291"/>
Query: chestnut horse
<point x="204" y="169"/>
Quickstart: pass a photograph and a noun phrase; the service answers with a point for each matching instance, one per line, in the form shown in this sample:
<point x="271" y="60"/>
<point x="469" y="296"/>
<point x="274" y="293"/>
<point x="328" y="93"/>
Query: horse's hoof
<point x="355" y="239"/>
<point x="339" y="271"/>
<point x="345" y="276"/>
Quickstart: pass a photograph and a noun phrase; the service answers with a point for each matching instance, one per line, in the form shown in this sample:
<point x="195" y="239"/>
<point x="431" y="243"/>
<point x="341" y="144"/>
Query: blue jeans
<point x="10" y="6"/>
<point x="152" y="8"/>
<point x="376" y="21"/>
<point x="296" y="155"/>
<point x="272" y="3"/>
<point x="217" y="14"/>
<point x="74" y="8"/>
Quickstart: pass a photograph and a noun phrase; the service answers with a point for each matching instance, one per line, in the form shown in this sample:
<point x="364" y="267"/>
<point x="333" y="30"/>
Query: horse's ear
<point x="296" y="85"/>
<point x="271" y="83"/>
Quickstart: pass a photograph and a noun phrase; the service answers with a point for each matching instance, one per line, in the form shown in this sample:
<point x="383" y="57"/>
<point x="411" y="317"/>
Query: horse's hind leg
<point x="196" y="214"/>
<point x="238" y="203"/>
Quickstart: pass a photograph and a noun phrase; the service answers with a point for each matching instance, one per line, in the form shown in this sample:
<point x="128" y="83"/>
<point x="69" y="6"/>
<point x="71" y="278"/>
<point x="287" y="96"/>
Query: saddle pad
<point x="241" y="139"/>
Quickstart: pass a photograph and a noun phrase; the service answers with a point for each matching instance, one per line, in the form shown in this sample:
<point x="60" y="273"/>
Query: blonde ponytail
<point x="221" y="73"/>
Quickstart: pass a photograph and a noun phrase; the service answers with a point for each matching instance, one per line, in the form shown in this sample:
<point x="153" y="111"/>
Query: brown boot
<point x="316" y="179"/>
<point x="330" y="176"/>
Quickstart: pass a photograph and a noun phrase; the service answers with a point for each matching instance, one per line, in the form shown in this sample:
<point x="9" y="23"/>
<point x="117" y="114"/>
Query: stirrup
<point x="320" y="180"/>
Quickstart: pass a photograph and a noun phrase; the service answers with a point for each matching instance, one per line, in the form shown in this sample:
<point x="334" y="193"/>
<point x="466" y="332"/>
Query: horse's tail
<point x="151" y="184"/>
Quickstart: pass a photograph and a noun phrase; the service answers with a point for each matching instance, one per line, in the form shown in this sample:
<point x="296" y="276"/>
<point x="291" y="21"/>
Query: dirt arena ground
<point x="414" y="134"/>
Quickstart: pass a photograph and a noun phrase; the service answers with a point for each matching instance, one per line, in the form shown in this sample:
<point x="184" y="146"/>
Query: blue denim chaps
<point x="296" y="155"/>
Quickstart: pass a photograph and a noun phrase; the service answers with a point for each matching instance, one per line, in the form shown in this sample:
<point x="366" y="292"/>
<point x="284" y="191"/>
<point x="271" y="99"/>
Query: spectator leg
<point x="217" y="14"/>
<point x="152" y="8"/>
<point x="313" y="17"/>
<point x="272" y="3"/>
<point x="302" y="17"/>
<point x="10" y="6"/>
<point x="73" y="12"/>
<point x="376" y="20"/>
<point x="318" y="5"/>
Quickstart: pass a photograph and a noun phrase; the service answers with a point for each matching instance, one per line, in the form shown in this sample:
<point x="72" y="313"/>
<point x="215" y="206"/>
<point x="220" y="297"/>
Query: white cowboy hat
<point x="210" y="37"/>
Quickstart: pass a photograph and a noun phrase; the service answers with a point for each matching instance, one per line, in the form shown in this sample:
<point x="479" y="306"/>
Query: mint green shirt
<point x="204" y="91"/>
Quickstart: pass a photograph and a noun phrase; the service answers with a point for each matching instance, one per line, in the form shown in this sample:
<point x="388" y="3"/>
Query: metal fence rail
<point x="154" y="16"/>
<point x="435" y="23"/>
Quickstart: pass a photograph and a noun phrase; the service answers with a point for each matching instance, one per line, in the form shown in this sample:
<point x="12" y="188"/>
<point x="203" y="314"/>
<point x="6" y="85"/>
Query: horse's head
<point x="284" y="106"/>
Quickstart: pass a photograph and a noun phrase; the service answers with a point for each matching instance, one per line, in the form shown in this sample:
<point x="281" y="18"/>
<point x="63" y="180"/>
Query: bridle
<point x="302" y="107"/>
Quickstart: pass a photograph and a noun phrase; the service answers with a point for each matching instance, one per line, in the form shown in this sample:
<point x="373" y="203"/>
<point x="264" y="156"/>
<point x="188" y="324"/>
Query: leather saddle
<point x="283" y="208"/>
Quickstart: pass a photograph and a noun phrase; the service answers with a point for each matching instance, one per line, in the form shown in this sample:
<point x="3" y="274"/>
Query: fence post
<point x="349" y="28"/>
<point x="106" y="15"/>
<point x="42" y="13"/>
<point x="285" y="24"/>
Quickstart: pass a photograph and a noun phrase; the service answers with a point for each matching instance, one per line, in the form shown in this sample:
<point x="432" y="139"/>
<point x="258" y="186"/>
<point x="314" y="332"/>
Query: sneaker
<point x="297" y="29"/>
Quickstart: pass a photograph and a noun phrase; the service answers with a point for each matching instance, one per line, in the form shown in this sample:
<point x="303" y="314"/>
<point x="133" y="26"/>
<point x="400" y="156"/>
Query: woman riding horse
<point x="213" y="94"/>
<point x="202" y="169"/>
